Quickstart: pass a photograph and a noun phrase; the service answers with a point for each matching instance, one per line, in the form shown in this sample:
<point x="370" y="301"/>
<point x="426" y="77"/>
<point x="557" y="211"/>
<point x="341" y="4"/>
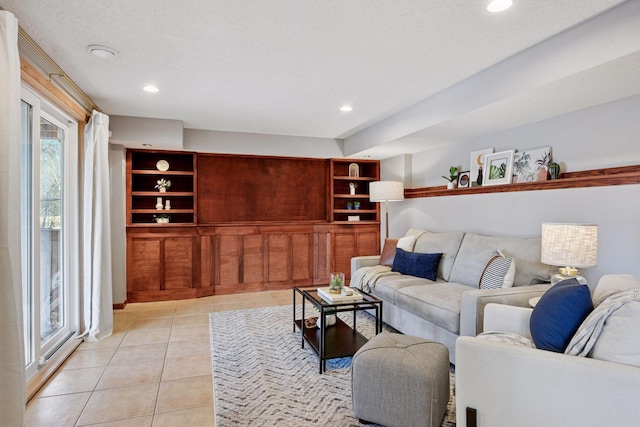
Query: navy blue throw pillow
<point x="416" y="264"/>
<point x="558" y="315"/>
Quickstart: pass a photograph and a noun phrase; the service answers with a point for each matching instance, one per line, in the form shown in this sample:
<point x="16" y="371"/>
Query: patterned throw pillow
<point x="498" y="273"/>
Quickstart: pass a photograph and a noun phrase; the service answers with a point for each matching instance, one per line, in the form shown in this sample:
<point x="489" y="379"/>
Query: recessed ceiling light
<point x="499" y="5"/>
<point x="103" y="52"/>
<point x="346" y="108"/>
<point x="151" y="89"/>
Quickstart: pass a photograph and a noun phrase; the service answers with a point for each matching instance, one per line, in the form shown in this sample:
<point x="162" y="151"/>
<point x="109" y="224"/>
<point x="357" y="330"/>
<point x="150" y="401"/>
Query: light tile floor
<point x="154" y="371"/>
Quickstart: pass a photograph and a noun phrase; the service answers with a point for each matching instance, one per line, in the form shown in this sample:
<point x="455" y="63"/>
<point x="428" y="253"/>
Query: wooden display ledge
<point x="624" y="175"/>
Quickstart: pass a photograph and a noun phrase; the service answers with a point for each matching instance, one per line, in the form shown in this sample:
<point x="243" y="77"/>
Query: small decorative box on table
<point x="339" y="340"/>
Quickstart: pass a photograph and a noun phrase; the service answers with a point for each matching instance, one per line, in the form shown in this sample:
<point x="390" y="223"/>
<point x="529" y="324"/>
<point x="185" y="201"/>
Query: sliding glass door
<point x="49" y="229"/>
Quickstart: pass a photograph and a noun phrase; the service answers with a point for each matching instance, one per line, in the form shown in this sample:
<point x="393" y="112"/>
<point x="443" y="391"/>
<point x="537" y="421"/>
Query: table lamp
<point x="571" y="246"/>
<point x="386" y="191"/>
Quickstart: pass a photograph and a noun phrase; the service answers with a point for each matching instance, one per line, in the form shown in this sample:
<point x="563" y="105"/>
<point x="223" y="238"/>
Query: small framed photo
<point x="498" y="168"/>
<point x="464" y="179"/>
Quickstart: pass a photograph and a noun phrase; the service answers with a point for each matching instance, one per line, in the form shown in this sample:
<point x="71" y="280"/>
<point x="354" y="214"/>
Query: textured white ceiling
<point x="286" y="66"/>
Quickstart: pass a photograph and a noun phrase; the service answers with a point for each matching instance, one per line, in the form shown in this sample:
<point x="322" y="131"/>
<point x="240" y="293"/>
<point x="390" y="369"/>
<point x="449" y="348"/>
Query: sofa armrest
<point x="507" y="318"/>
<point x="518" y="386"/>
<point x="474" y="301"/>
<point x="363" y="261"/>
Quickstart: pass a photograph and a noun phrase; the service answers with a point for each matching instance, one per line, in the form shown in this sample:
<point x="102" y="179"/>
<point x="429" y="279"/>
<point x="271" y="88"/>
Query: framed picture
<point x="499" y="168"/>
<point x="476" y="163"/>
<point x="464" y="179"/>
<point x="531" y="165"/>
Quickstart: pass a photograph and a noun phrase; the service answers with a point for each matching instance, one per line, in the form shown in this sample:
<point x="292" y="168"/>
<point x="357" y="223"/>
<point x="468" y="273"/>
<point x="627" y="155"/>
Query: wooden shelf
<point x="163" y="195"/>
<point x="369" y="171"/>
<point x="624" y="175"/>
<point x="157" y="172"/>
<point x="162" y="211"/>
<point x="355" y="211"/>
<point x="355" y="178"/>
<point x="351" y="196"/>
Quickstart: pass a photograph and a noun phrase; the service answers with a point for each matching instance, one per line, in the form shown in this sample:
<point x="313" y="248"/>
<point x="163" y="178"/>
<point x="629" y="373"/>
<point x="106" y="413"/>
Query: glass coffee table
<point x="339" y="340"/>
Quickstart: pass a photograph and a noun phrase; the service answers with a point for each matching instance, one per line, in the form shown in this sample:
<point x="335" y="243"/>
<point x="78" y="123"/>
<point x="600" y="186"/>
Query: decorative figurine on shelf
<point x="480" y="178"/>
<point x="354" y="170"/>
<point x="452" y="178"/>
<point x="163" y="184"/>
<point x="159" y="203"/>
<point x="336" y="283"/>
<point x="554" y="170"/>
<point x="352" y="188"/>
<point x="162" y="218"/>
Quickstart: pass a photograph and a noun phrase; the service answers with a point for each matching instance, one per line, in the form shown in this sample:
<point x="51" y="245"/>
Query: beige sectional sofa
<point x="453" y="304"/>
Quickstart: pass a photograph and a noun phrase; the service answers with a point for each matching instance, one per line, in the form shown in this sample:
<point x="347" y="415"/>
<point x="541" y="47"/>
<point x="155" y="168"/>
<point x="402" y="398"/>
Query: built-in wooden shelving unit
<point x="624" y="175"/>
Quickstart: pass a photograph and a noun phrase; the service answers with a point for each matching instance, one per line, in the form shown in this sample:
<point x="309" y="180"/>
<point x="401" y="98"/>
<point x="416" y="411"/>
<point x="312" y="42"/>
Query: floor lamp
<point x="386" y="191"/>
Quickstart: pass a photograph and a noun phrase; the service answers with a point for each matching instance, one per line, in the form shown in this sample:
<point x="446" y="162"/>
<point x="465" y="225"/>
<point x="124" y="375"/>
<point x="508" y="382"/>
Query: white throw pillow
<point x="618" y="340"/>
<point x="499" y="272"/>
<point x="610" y="283"/>
<point x="406" y="243"/>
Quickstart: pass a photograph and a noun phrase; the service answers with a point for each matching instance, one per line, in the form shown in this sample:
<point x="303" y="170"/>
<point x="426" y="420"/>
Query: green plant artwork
<point x="497" y="171"/>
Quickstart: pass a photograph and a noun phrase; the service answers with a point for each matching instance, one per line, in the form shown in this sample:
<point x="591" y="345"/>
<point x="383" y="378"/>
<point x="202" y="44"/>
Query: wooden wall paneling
<point x="322" y="253"/>
<point x="368" y="242"/>
<point x="144" y="269"/>
<point x="302" y="254"/>
<point x="253" y="258"/>
<point x="179" y="262"/>
<point x="227" y="256"/>
<point x="278" y="256"/>
<point x="342" y="250"/>
<point x="257" y="188"/>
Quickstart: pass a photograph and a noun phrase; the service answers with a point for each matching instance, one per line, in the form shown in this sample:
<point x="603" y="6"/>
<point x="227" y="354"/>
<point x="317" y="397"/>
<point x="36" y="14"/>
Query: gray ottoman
<point x="399" y="380"/>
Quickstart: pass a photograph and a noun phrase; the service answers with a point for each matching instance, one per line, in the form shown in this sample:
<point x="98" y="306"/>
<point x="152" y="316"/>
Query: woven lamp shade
<point x="386" y="191"/>
<point x="574" y="245"/>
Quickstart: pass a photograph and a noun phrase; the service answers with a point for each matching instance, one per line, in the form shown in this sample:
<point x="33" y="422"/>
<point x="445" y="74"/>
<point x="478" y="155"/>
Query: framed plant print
<point x="498" y="168"/>
<point x="475" y="166"/>
<point x="464" y="179"/>
<point x="531" y="165"/>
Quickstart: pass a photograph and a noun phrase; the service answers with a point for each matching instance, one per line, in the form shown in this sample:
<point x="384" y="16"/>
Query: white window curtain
<point x="96" y="224"/>
<point x="12" y="361"/>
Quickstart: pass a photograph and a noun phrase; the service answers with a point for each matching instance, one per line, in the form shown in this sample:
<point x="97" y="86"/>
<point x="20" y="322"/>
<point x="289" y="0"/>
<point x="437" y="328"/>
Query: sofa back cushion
<point x="476" y="250"/>
<point x="447" y="243"/>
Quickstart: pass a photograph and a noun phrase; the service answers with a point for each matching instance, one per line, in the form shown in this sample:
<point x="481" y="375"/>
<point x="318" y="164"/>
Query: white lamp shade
<point x="389" y="191"/>
<point x="574" y="245"/>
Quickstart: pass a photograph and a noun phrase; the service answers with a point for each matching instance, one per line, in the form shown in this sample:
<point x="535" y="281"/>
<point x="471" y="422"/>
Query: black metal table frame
<point x="327" y="308"/>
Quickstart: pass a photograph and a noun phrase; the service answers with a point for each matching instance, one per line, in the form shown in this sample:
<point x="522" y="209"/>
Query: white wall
<point x="117" y="172"/>
<point x="221" y="142"/>
<point x="602" y="136"/>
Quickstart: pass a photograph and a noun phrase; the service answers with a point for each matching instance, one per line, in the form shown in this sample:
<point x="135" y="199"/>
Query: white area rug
<point x="262" y="376"/>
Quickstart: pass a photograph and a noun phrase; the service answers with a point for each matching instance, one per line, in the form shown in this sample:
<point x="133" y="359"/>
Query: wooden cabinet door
<point x="162" y="266"/>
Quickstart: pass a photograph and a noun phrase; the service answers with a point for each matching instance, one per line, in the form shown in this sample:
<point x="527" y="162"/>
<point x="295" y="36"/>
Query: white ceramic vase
<point x="331" y="320"/>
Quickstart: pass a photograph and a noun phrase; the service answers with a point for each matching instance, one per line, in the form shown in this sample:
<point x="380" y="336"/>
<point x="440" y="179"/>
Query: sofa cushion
<point x="618" y="340"/>
<point x="438" y="303"/>
<point x="388" y="252"/>
<point x="447" y="243"/>
<point x="386" y="287"/>
<point x="611" y="283"/>
<point x="476" y="249"/>
<point x="498" y="273"/>
<point x="559" y="313"/>
<point x="416" y="264"/>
